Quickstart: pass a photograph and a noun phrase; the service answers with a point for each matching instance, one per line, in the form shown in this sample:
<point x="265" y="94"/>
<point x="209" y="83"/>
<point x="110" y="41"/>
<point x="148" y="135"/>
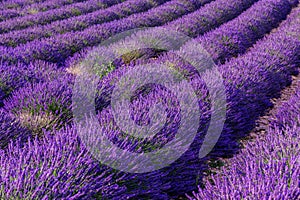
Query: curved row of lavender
<point x="219" y="12"/>
<point x="235" y="37"/>
<point x="78" y="23"/>
<point x="234" y="42"/>
<point x="268" y="167"/>
<point x="41" y="99"/>
<point x="53" y="15"/>
<point x="60" y="47"/>
<point x="34" y="8"/>
<point x="11" y="76"/>
<point x="209" y="17"/>
<point x="96" y="34"/>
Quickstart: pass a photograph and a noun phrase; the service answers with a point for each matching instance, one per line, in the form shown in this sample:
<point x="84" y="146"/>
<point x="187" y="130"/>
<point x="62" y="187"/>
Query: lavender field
<point x="150" y="99"/>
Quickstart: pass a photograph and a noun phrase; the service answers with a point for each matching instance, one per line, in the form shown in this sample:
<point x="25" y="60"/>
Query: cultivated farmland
<point x="149" y="99"/>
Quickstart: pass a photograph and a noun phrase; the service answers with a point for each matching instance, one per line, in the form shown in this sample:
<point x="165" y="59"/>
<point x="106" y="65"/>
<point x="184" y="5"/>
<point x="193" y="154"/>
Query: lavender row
<point x="34" y="8"/>
<point x="236" y="36"/>
<point x="78" y="23"/>
<point x="60" y="47"/>
<point x="209" y="17"/>
<point x="13" y="77"/>
<point x="53" y="15"/>
<point x="14" y="4"/>
<point x="288" y="117"/>
<point x="218" y="11"/>
<point x="218" y="42"/>
<point x="182" y="174"/>
<point x="8" y="14"/>
<point x="268" y="168"/>
<point x="261" y="73"/>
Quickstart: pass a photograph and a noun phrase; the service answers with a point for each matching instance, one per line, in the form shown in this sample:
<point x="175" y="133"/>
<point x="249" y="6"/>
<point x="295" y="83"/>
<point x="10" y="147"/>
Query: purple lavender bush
<point x="13" y="77"/>
<point x="45" y="105"/>
<point x="288" y="117"/>
<point x="56" y="166"/>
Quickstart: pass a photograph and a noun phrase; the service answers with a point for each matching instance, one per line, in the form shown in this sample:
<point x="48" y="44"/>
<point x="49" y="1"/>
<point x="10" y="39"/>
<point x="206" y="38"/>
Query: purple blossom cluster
<point x="43" y="154"/>
<point x="11" y="130"/>
<point x="54" y="167"/>
<point x="13" y="77"/>
<point x="288" y="118"/>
